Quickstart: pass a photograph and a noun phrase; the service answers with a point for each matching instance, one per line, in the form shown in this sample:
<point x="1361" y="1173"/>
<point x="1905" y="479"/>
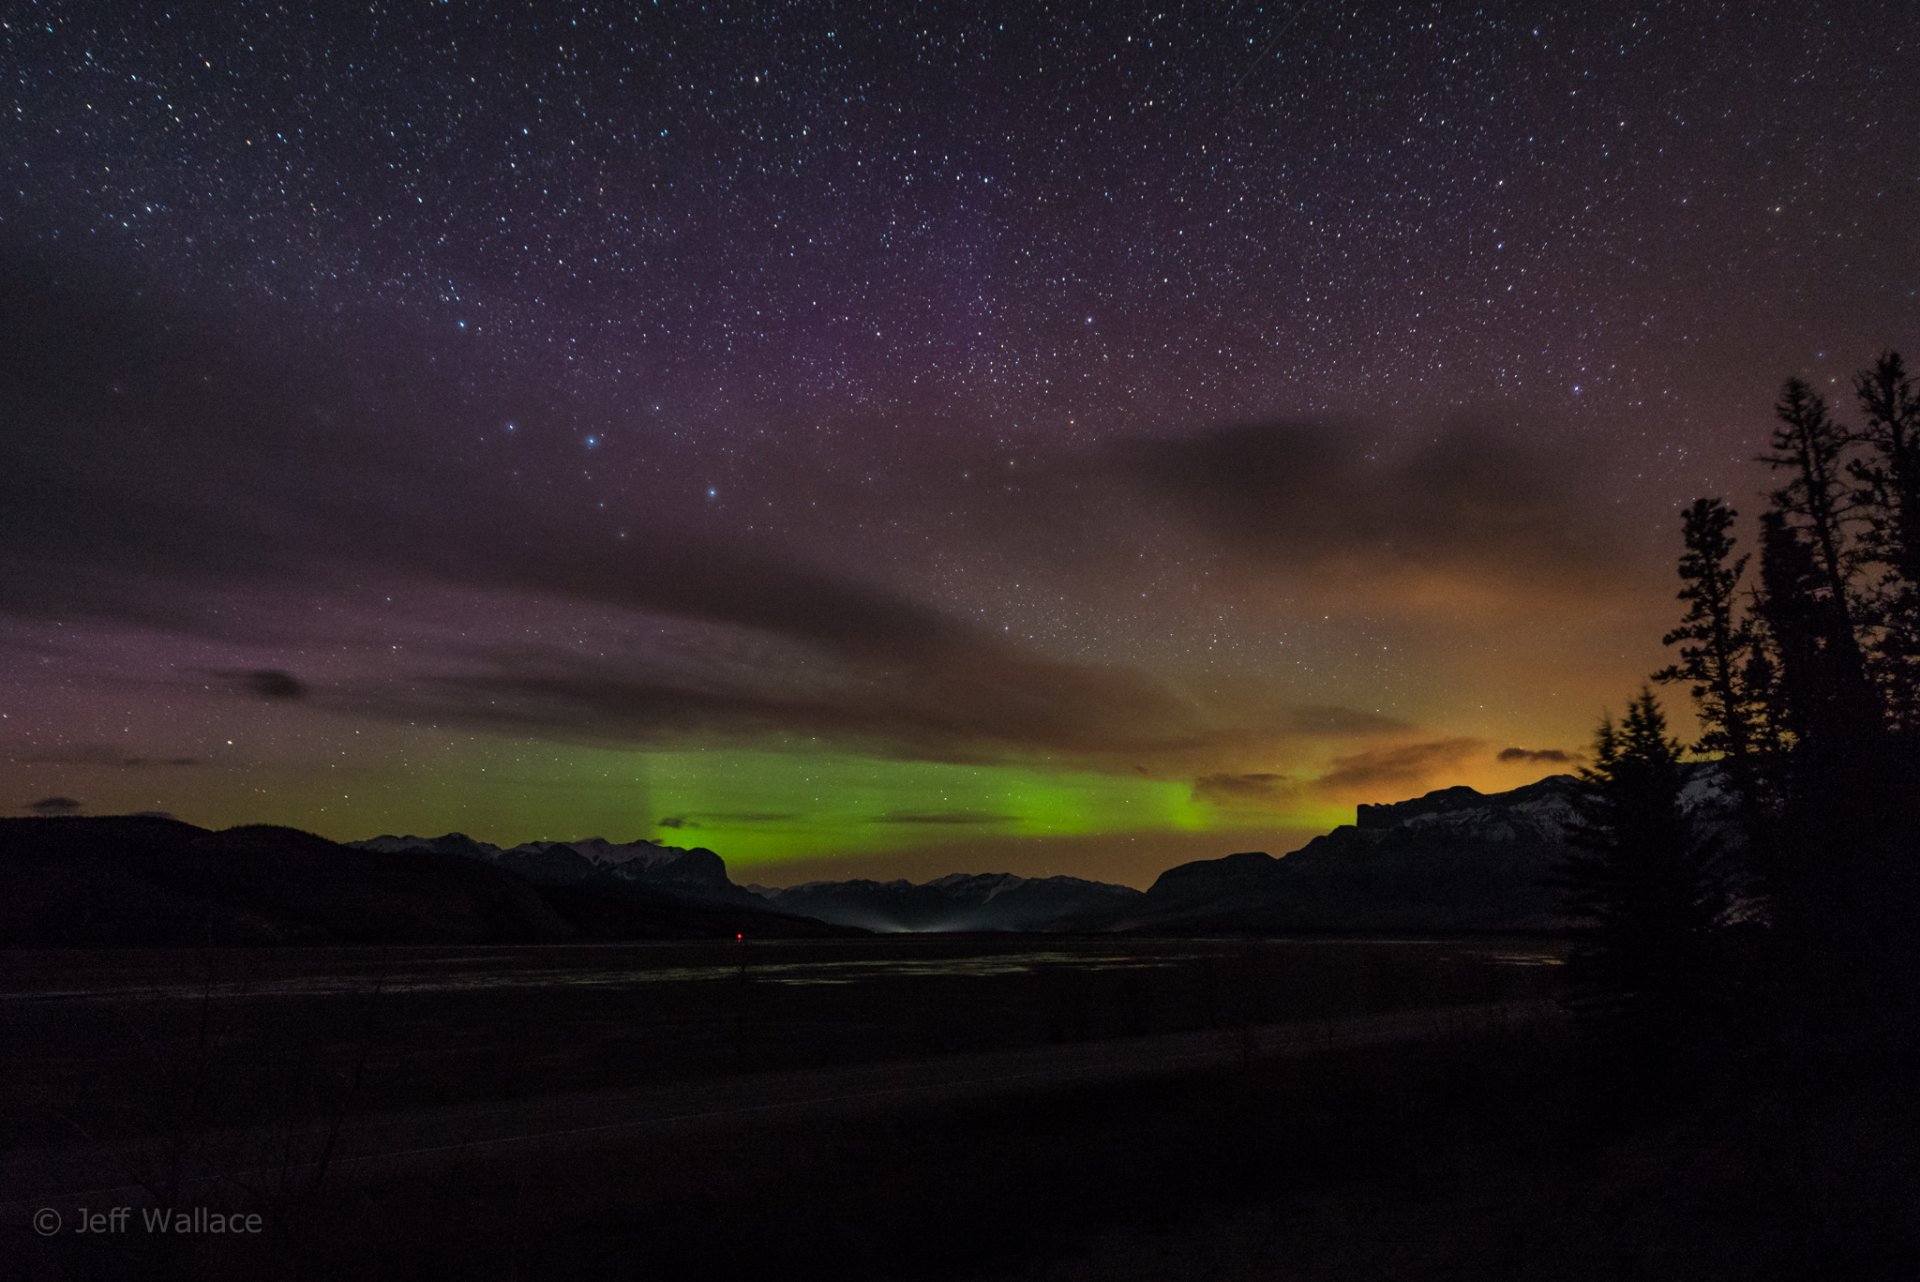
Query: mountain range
<point x="696" y="873"/>
<point x="1455" y="859"/>
<point x="958" y="901"/>
<point x="1452" y="860"/>
<point x="72" y="881"/>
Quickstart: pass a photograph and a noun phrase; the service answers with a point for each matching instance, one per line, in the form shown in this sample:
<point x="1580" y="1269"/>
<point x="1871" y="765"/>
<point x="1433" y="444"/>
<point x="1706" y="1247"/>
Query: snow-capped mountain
<point x="958" y="901"/>
<point x="454" y="843"/>
<point x="697" y="873"/>
<point x="1455" y="859"/>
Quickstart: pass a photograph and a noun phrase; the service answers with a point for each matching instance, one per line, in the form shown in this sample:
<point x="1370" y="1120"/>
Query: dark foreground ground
<point x="899" y="1109"/>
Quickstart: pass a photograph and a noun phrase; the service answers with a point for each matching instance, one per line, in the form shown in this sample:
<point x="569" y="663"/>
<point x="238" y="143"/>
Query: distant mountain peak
<point x="998" y="901"/>
<point x="1450" y="859"/>
<point x="560" y="863"/>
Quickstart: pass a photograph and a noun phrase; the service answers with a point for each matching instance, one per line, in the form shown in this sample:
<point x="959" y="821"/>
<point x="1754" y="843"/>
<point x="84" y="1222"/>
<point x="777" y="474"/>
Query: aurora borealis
<point x="877" y="439"/>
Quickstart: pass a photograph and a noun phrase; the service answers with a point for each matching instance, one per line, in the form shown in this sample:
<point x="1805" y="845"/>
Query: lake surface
<point x="177" y="974"/>
<point x="110" y="1040"/>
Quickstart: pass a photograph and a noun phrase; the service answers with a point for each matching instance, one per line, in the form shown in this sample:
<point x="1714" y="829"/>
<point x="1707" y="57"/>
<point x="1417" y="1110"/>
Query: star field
<point x="805" y="410"/>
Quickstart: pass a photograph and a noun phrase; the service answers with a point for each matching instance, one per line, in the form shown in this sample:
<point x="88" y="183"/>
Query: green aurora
<point x="759" y="808"/>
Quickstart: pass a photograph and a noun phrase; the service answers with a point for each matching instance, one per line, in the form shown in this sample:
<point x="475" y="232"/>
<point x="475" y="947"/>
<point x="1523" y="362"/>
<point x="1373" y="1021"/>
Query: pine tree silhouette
<point x="1888" y="500"/>
<point x="1720" y="658"/>
<point x="1809" y="446"/>
<point x="1647" y="888"/>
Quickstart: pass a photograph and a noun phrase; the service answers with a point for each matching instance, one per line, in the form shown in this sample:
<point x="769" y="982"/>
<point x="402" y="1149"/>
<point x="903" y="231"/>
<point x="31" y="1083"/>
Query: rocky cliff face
<point x="1454" y="859"/>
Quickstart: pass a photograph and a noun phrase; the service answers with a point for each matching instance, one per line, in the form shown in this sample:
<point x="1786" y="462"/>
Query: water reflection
<point x="355" y="971"/>
<point x="493" y="977"/>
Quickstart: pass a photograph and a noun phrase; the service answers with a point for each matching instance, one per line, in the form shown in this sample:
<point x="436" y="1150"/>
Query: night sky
<point x="883" y="439"/>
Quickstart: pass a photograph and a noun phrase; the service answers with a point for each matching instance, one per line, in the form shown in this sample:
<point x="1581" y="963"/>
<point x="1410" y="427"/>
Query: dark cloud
<point x="957" y="703"/>
<point x="677" y="821"/>
<point x="55" y="806"/>
<point x="100" y="754"/>
<point x="1553" y="756"/>
<point x="269" y="487"/>
<point x="1401" y="768"/>
<point x="144" y="464"/>
<point x="1481" y="499"/>
<point x="1406" y="766"/>
<point x="1230" y="788"/>
<point x="162" y="478"/>
<point x="273" y="485"/>
<point x="273" y="684"/>
<point x="979" y="701"/>
<point x="940" y="817"/>
<point x="156" y="471"/>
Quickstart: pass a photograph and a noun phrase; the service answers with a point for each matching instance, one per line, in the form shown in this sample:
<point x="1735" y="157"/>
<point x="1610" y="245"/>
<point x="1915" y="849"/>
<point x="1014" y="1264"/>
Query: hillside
<point x="957" y="902"/>
<point x="91" y="882"/>
<point x="1453" y="860"/>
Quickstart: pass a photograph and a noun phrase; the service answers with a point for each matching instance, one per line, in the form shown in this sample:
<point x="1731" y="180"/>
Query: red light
<point x="739" y="936"/>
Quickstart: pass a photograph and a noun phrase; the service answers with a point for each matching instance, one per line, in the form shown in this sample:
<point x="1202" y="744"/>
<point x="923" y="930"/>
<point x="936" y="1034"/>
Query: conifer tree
<point x="1646" y="887"/>
<point x="1718" y="646"/>
<point x="1809" y="566"/>
<point x="1888" y="499"/>
<point x="1786" y="602"/>
<point x="1810" y="447"/>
